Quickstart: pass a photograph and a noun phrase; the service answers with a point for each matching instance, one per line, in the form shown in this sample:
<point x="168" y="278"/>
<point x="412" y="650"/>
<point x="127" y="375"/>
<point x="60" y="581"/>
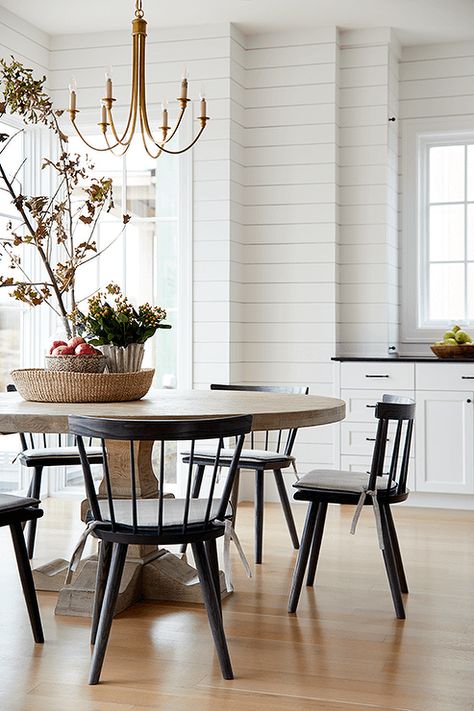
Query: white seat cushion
<point x="248" y="455"/>
<point x="59" y="452"/>
<point x="337" y="480"/>
<point x="147" y="511"/>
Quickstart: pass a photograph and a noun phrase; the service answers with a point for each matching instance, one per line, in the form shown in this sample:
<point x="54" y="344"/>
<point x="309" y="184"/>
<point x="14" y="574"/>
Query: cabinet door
<point x="444" y="442"/>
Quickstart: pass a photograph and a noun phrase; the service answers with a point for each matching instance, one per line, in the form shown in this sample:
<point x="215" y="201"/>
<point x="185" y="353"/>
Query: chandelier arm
<point x="146" y="132"/>
<point x="132" y="114"/>
<point x="89" y="145"/>
<point x="182" y="150"/>
<point x="112" y="148"/>
<point x="178" y="123"/>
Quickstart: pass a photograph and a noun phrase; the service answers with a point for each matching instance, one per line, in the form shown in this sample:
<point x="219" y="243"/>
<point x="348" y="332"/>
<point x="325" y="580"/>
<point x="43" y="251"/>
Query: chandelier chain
<point x="139" y="8"/>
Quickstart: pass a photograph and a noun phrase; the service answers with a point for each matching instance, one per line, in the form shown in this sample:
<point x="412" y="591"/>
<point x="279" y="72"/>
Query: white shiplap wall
<point x="368" y="251"/>
<point x="27" y="43"/>
<point x="286" y="197"/>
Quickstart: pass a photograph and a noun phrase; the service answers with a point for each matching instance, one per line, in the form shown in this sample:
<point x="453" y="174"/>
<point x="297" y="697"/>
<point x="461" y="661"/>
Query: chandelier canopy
<point x="138" y="116"/>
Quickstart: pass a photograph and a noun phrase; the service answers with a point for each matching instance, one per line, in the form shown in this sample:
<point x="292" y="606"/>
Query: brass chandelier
<point x="138" y="115"/>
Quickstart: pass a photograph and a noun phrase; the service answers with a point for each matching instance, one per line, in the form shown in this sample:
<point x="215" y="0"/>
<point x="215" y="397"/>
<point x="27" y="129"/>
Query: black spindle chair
<point x="120" y="522"/>
<point x="37" y="454"/>
<point x="387" y="480"/>
<point x="14" y="511"/>
<point x="275" y="455"/>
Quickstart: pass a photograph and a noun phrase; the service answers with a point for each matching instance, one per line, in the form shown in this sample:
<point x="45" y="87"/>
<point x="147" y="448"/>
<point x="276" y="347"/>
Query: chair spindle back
<point x="283" y="442"/>
<point x="193" y="512"/>
<point x="396" y="414"/>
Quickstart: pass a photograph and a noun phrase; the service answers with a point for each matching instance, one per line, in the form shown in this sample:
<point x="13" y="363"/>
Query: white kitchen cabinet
<point x="444" y="441"/>
<point x="442" y="463"/>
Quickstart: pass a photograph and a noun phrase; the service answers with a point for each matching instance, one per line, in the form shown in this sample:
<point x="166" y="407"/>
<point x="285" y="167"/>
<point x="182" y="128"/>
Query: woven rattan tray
<point x="38" y="385"/>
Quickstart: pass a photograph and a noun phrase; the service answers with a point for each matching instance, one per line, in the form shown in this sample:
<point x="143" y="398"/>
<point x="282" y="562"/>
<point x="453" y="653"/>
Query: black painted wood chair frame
<point x="120" y="522"/>
<point x="283" y="447"/>
<point x="14" y="512"/>
<point x="37" y="456"/>
<point x="400" y="412"/>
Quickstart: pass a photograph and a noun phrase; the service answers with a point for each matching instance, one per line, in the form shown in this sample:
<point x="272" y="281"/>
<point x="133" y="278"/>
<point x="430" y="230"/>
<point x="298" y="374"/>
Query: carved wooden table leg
<point x="150" y="573"/>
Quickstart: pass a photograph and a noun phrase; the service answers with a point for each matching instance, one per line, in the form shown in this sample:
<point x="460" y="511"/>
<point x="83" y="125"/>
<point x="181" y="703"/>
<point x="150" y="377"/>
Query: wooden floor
<point x="343" y="651"/>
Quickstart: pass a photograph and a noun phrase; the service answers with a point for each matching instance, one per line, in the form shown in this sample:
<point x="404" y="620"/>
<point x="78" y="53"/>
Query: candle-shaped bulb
<point x="108" y="83"/>
<point x="72" y="94"/>
<point x="164" y="107"/>
<point x="185" y="73"/>
<point x="103" y="115"/>
<point x="203" y="105"/>
<point x="184" y="85"/>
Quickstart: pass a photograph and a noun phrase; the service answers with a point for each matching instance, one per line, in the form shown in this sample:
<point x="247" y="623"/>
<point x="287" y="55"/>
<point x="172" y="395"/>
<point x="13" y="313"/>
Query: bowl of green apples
<point x="456" y="343"/>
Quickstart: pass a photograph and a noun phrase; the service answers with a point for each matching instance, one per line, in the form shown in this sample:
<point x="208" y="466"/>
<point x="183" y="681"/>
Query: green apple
<point x="455" y="329"/>
<point x="449" y="334"/>
<point x="463" y="337"/>
<point x="450" y="342"/>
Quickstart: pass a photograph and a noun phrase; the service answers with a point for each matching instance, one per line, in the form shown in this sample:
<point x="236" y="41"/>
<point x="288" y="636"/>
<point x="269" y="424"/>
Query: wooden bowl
<point x="76" y="363"/>
<point x="461" y="350"/>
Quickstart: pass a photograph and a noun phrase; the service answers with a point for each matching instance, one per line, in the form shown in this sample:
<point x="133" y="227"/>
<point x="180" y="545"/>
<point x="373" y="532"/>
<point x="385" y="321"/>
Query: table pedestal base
<point x="158" y="576"/>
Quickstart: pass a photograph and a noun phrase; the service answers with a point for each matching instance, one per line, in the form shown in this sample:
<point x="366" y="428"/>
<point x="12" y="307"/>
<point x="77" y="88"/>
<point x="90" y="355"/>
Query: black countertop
<point x="401" y="359"/>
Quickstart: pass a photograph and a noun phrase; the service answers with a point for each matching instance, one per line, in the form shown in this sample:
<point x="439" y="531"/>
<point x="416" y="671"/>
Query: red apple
<point x="56" y="344"/>
<point x="63" y="350"/>
<point x="84" y="349"/>
<point x="73" y="342"/>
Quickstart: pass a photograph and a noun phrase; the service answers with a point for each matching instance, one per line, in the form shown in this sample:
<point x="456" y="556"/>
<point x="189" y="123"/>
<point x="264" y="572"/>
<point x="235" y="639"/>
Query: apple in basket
<point x="75" y="356"/>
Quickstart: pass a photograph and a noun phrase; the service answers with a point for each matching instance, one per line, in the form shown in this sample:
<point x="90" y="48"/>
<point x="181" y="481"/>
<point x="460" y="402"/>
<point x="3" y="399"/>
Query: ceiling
<point x="415" y="21"/>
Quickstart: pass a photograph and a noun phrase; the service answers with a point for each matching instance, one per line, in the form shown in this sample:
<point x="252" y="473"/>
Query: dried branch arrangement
<point x="48" y="224"/>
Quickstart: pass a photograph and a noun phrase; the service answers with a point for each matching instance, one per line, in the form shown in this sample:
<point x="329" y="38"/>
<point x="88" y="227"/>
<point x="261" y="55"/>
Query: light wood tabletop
<point x="270" y="410"/>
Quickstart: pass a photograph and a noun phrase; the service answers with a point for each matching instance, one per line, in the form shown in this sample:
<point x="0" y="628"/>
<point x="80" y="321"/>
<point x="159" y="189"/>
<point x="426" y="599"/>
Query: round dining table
<point x="149" y="572"/>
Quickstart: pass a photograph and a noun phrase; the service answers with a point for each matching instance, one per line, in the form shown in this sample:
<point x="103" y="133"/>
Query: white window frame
<point x="418" y="135"/>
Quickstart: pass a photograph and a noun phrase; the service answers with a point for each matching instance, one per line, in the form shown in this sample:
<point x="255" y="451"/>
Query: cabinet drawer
<point x="360" y="404"/>
<point x="362" y="464"/>
<point x="445" y="376"/>
<point x="382" y="376"/>
<point x="359" y="438"/>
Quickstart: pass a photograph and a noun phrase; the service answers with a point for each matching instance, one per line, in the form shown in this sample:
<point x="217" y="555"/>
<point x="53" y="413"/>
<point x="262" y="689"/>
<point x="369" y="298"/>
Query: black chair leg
<point x="211" y="552"/>
<point x="213" y="609"/>
<point x="317" y="540"/>
<point x="103" y="567"/>
<point x="259" y="474"/>
<point x="303" y="555"/>
<point x="396" y="551"/>
<point x="391" y="567"/>
<point x="26" y="578"/>
<point x="119" y="554"/>
<point x="35" y="493"/>
<point x="234" y="497"/>
<point x="195" y="494"/>
<point x="286" y="507"/>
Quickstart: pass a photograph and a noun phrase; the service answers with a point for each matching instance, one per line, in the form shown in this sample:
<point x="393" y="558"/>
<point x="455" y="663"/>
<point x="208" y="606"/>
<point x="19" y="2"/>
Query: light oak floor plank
<point x="343" y="651"/>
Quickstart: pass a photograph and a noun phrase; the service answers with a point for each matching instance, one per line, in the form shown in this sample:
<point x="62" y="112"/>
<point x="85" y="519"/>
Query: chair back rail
<point x="283" y="444"/>
<point x="165" y="432"/>
<point x="395" y="414"/>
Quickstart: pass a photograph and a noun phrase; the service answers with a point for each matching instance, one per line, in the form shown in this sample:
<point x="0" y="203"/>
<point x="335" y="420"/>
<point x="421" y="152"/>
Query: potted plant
<point x="117" y="328"/>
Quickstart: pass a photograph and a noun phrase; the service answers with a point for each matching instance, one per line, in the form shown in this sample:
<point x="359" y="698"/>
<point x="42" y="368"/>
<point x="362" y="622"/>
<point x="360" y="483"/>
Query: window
<point x="438" y="232"/>
<point x="144" y="260"/>
<point x="10" y="312"/>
